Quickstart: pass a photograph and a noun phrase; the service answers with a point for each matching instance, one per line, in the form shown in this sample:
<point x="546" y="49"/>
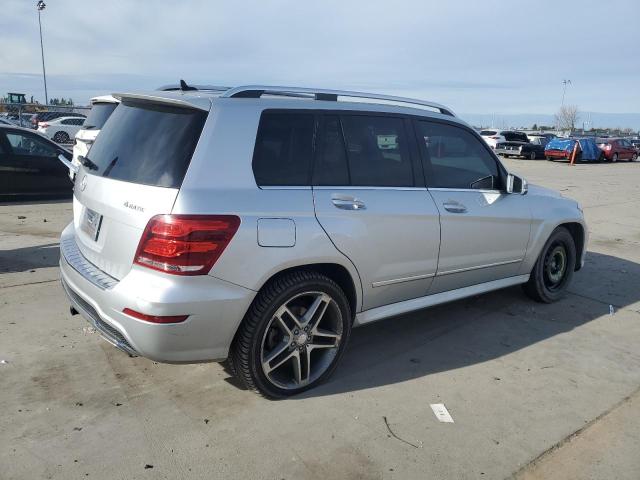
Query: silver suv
<point x="258" y="225"/>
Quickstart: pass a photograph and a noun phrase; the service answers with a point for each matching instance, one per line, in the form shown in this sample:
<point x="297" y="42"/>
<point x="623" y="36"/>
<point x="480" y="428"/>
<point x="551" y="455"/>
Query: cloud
<point x="486" y="57"/>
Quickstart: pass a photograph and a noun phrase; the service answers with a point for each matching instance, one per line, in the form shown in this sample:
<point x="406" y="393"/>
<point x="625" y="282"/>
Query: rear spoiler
<point x="169" y="98"/>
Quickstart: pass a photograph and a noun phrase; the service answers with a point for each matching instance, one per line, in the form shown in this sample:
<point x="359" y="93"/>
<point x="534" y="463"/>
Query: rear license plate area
<point x="91" y="223"/>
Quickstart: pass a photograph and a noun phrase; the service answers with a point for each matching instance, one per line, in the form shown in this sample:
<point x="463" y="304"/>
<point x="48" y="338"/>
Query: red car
<point x="615" y="149"/>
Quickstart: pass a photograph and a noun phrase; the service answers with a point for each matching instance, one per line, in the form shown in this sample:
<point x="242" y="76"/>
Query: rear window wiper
<point x="87" y="163"/>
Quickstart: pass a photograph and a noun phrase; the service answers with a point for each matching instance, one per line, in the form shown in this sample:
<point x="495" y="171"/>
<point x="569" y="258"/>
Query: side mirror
<point x="516" y="184"/>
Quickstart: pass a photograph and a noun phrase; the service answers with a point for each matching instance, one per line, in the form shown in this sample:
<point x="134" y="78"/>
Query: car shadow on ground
<point x="29" y="258"/>
<point x="478" y="329"/>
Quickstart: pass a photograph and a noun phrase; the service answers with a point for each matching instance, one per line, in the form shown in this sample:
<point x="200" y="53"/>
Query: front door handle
<point x="454" y="207"/>
<point x="346" y="202"/>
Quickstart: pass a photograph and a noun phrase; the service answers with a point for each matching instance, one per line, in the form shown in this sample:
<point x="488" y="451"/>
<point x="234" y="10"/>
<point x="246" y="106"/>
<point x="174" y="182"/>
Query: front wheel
<point x="532" y="156"/>
<point x="293" y="335"/>
<point x="553" y="269"/>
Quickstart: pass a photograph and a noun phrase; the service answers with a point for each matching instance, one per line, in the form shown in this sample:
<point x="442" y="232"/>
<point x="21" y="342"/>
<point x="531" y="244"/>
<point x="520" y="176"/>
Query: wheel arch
<point x="577" y="232"/>
<point x="336" y="272"/>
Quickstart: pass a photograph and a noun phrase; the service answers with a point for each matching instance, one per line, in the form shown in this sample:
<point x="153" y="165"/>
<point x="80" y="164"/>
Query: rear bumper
<point x="556" y="154"/>
<point x="506" y="151"/>
<point x="215" y="308"/>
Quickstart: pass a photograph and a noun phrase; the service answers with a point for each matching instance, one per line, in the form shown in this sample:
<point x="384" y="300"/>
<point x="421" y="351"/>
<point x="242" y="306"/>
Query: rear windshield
<point x="147" y="143"/>
<point x="488" y="133"/>
<point x="98" y="115"/>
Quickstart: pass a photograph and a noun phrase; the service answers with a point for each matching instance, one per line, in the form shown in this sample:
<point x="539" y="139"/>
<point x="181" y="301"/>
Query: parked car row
<point x="511" y="143"/>
<point x="29" y="160"/>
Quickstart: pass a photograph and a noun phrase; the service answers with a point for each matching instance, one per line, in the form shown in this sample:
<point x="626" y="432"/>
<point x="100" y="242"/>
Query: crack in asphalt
<point x="572" y="436"/>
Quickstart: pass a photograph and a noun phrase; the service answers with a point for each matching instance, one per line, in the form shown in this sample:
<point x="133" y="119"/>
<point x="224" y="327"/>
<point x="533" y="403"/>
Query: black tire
<point x="614" y="158"/>
<point x="546" y="284"/>
<point x="634" y="157"/>
<point x="533" y="156"/>
<point x="550" y="159"/>
<point x="247" y="348"/>
<point x="61" y="137"/>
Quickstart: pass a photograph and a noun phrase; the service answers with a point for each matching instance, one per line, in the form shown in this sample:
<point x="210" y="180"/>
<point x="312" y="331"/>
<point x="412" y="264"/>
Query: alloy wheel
<point x="301" y="340"/>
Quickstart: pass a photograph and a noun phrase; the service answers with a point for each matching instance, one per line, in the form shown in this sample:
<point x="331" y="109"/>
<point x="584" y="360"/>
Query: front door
<point x="485" y="231"/>
<point x="369" y="200"/>
<point x="43" y="172"/>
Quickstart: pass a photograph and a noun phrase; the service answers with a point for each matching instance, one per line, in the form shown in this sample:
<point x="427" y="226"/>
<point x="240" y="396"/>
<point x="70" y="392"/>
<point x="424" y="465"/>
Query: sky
<point x="487" y="58"/>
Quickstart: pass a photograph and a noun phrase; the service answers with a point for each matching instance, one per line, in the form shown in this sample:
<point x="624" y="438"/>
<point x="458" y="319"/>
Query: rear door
<point x="133" y="171"/>
<point x="369" y="199"/>
<point x="484" y="231"/>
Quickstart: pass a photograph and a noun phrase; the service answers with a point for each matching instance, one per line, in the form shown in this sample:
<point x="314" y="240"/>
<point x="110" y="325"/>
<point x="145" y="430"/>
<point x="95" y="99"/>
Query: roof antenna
<point x="184" y="87"/>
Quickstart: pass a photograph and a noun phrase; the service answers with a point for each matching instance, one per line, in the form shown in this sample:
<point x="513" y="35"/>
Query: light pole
<point x="564" y="90"/>
<point x="40" y="6"/>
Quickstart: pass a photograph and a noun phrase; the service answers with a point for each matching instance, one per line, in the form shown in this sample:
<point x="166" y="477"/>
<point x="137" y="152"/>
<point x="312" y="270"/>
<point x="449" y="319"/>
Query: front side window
<point x="30" y="145"/>
<point x="455" y="158"/>
<point x="283" y="150"/>
<point x="377" y="151"/>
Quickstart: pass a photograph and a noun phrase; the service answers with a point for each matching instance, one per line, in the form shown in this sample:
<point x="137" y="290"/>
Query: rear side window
<point x="455" y="158"/>
<point x="377" y="151"/>
<point x="98" y="115"/>
<point x="147" y="143"/>
<point x="284" y="148"/>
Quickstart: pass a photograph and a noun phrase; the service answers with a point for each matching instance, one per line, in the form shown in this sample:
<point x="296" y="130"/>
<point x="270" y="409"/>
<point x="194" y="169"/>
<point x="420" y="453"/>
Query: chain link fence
<point x="58" y="122"/>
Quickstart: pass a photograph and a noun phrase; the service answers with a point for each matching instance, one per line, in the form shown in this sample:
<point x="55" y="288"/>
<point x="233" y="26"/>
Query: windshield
<point x="99" y="114"/>
<point x="146" y="143"/>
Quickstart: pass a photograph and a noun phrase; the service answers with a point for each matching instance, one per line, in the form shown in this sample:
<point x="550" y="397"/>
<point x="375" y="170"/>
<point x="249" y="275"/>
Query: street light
<point x="564" y="90"/>
<point x="40" y="6"/>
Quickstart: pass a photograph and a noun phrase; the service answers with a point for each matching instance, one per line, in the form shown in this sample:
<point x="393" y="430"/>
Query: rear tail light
<point x="155" y="318"/>
<point x="185" y="244"/>
<point x="607" y="146"/>
<point x="43" y="125"/>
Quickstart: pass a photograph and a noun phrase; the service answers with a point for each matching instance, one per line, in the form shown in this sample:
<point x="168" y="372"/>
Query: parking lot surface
<point x="535" y="391"/>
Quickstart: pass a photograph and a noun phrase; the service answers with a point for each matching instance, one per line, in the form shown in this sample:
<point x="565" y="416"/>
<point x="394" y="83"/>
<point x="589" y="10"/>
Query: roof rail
<point x="256" y="91"/>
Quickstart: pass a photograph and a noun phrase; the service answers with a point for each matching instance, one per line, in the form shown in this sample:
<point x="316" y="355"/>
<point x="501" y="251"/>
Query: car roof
<point x="16" y="127"/>
<point x="264" y="97"/>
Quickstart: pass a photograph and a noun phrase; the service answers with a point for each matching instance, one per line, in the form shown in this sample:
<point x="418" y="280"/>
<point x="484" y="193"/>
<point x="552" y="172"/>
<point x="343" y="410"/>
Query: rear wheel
<point x="614" y="158"/>
<point x="61" y="137"/>
<point x="293" y="335"/>
<point x="532" y="156"/>
<point x="634" y="157"/>
<point x="553" y="269"/>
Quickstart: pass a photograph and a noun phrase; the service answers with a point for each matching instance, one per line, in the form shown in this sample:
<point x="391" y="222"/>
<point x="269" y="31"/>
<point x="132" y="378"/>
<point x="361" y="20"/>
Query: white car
<point x="62" y="129"/>
<point x="101" y="109"/>
<point x="492" y="137"/>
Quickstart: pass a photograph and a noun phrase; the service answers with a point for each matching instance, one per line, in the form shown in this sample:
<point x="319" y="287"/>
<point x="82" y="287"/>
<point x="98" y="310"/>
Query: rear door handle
<point x="346" y="202"/>
<point x="454" y="207"/>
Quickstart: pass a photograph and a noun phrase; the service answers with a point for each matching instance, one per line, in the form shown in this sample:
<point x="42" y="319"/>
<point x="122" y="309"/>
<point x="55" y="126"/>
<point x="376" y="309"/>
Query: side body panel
<point x="484" y="236"/>
<point x="222" y="182"/>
